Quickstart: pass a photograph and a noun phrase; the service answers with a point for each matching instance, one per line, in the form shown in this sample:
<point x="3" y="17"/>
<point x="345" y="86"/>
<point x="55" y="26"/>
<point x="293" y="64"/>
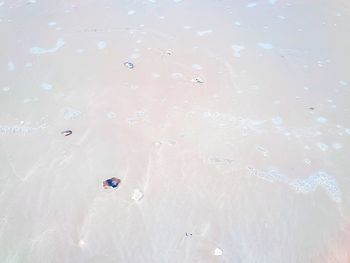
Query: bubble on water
<point x="322" y="146"/>
<point x="307" y="161"/>
<point x="271" y="175"/>
<point x="250" y="5"/>
<point x="46" y="86"/>
<point x="70" y="113"/>
<point x="337" y="146"/>
<point x="196" y="66"/>
<point x="11" y="66"/>
<point x="205" y="32"/>
<point x="302" y="185"/>
<point x="39" y="51"/>
<point x="267" y="46"/>
<point x="21" y="130"/>
<point x="101" y="44"/>
<point x="277" y="120"/>
<point x="318" y="179"/>
<point x="343" y="82"/>
<point x="262" y="150"/>
<point x="322" y="119"/>
<point x="237" y="50"/>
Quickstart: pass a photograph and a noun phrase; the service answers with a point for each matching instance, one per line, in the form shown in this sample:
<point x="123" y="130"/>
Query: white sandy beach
<point x="231" y="134"/>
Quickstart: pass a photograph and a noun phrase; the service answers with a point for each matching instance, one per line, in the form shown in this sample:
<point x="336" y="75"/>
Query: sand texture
<point x="228" y="123"/>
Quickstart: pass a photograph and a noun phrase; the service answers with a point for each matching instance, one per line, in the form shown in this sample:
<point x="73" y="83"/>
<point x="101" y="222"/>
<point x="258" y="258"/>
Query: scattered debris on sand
<point x="129" y="65"/>
<point x="217" y="252"/>
<point x="197" y="80"/>
<point x="137" y="195"/>
<point x="67" y="132"/>
<point x="111" y="183"/>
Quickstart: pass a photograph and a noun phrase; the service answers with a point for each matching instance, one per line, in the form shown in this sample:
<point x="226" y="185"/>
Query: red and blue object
<point x="111" y="183"/>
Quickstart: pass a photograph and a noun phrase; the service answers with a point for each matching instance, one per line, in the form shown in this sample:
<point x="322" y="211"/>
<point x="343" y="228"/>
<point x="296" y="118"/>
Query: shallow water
<point x="230" y="133"/>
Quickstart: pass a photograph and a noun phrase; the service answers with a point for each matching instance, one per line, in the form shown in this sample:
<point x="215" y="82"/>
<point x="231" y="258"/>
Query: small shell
<point x="129" y="65"/>
<point x="217" y="252"/>
<point x="197" y="80"/>
<point x="137" y="195"/>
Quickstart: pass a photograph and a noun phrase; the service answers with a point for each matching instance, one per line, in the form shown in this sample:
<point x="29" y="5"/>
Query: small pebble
<point x="67" y="133"/>
<point x="129" y="65"/>
<point x="197" y="80"/>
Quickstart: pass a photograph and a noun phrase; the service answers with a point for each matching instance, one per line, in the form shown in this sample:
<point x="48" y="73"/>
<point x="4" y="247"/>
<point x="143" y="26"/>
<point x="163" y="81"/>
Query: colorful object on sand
<point x="111" y="183"/>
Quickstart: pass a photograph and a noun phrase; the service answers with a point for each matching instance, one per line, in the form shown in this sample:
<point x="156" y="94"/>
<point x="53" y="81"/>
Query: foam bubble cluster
<point x="40" y="51"/>
<point x="318" y="179"/>
<point x="302" y="185"/>
<point x="271" y="175"/>
<point x="16" y="130"/>
<point x="70" y="113"/>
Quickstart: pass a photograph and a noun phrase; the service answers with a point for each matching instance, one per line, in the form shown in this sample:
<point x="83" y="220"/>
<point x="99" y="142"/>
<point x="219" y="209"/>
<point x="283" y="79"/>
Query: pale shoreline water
<point x="230" y="131"/>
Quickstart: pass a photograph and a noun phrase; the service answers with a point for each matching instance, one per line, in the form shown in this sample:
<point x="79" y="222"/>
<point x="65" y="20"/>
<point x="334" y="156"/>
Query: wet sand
<point x="230" y="134"/>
